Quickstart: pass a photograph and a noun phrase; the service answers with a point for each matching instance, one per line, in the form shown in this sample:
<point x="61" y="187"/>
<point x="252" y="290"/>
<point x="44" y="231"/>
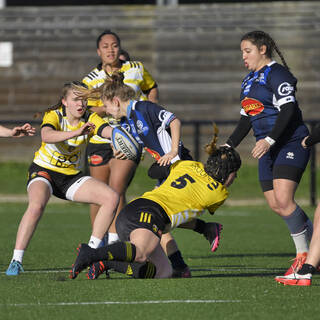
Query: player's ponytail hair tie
<point x="117" y="78"/>
<point x="222" y="161"/>
<point x="114" y="86"/>
<point x="211" y="147"/>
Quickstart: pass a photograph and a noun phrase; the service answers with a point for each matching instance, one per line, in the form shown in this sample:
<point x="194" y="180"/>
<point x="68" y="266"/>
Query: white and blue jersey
<point x="263" y="93"/>
<point x="149" y="124"/>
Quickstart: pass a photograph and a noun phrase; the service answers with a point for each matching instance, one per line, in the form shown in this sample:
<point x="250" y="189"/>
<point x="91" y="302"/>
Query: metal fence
<point x="197" y="124"/>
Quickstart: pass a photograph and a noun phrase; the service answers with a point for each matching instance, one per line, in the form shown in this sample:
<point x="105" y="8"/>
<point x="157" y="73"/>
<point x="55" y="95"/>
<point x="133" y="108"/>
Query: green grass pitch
<point x="236" y="282"/>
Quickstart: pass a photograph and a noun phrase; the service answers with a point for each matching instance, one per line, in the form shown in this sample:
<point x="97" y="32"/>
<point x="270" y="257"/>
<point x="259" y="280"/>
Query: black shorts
<point x="62" y="185"/>
<point x="286" y="161"/>
<point x="282" y="172"/>
<point x="141" y="213"/>
<point x="99" y="154"/>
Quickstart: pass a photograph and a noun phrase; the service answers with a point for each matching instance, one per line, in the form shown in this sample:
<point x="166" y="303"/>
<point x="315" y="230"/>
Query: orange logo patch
<point x="153" y="153"/>
<point x="252" y="106"/>
<point x="95" y="159"/>
<point x="44" y="174"/>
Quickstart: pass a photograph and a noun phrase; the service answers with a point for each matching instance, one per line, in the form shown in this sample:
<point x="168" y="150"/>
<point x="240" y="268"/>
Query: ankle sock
<point x="307" y="268"/>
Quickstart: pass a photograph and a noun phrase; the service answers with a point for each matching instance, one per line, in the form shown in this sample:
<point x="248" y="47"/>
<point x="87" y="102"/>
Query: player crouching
<point x="189" y="190"/>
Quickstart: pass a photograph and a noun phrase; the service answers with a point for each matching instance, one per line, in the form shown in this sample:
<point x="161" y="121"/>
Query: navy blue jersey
<point x="263" y="93"/>
<point x="149" y="124"/>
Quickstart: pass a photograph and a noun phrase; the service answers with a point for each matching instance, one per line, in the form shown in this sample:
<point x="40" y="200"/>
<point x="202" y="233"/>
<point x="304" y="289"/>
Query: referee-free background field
<point x="236" y="282"/>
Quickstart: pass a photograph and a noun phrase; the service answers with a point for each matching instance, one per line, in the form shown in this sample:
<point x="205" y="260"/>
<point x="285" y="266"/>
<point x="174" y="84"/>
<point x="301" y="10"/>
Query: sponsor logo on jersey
<point x="290" y="155"/>
<point x="153" y="153"/>
<point x="252" y="106"/>
<point x="126" y="127"/>
<point x="142" y="128"/>
<point x="285" y="89"/>
<point x="163" y="115"/>
<point x="261" y="78"/>
<point x="140" y="125"/>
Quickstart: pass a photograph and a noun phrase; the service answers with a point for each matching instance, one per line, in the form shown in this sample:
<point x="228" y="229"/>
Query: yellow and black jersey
<point x="67" y="156"/>
<point x="135" y="76"/>
<point x="188" y="192"/>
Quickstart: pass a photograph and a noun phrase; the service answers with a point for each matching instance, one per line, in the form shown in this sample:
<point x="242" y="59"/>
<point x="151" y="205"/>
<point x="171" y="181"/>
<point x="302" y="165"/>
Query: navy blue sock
<point x="296" y="221"/>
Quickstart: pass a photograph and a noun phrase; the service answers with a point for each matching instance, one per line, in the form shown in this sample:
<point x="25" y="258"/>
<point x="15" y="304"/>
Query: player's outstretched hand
<point x="87" y="128"/>
<point x="25" y="130"/>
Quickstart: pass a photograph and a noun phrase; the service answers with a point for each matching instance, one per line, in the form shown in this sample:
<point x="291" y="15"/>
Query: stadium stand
<point x="192" y="51"/>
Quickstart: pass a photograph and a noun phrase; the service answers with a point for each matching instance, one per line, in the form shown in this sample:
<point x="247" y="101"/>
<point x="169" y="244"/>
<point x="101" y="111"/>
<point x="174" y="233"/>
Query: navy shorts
<point x="141" y="213"/>
<point x="284" y="162"/>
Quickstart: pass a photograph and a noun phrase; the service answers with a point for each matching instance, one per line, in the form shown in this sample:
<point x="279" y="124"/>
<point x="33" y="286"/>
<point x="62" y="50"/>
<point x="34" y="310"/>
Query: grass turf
<point x="236" y="282"/>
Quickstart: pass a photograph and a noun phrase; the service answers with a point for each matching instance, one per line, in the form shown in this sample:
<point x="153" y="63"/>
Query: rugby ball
<point x="123" y="141"/>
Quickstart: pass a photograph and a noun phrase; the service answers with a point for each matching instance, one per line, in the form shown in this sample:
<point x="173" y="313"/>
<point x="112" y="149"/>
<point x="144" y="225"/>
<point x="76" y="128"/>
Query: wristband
<point x="270" y="140"/>
<point x="226" y="145"/>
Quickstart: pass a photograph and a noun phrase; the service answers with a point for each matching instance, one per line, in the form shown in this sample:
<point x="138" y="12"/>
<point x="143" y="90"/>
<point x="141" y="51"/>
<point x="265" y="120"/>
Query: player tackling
<point x="190" y="189"/>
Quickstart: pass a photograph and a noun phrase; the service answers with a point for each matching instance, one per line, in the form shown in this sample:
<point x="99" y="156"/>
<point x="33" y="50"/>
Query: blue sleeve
<point x="160" y="115"/>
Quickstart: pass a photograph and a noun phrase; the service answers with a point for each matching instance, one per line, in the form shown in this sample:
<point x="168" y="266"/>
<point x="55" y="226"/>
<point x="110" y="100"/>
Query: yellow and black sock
<point x="136" y="270"/>
<point x="120" y="251"/>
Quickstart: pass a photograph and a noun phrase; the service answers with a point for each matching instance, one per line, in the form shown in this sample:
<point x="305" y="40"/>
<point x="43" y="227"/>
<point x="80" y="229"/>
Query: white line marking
<point x="115" y="302"/>
<point x="43" y="271"/>
<point x="194" y="270"/>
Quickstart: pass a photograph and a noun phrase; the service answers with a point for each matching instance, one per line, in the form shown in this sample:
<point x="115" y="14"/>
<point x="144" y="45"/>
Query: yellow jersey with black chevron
<point x="188" y="192"/>
<point x="135" y="76"/>
<point x="68" y="156"/>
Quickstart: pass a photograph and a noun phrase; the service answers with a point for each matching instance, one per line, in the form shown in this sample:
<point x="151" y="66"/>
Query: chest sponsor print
<point x="252" y="106"/>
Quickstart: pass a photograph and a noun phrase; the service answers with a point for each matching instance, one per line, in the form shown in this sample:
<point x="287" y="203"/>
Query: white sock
<point x="18" y="255"/>
<point x="301" y="241"/>
<point x="94" y="242"/>
<point x="112" y="237"/>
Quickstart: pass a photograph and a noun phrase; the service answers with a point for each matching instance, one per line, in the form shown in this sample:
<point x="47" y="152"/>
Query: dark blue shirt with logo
<point x="149" y="124"/>
<point x="263" y="93"/>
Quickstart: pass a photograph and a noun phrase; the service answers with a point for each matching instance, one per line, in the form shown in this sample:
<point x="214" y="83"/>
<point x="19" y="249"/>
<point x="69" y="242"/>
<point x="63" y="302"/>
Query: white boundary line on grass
<point x="194" y="270"/>
<point x="54" y="304"/>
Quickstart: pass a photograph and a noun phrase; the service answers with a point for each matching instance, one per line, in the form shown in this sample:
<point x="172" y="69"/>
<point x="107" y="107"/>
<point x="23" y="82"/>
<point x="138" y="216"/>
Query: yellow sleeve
<point x="51" y="118"/>
<point x="97" y="121"/>
<point x="148" y="82"/>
